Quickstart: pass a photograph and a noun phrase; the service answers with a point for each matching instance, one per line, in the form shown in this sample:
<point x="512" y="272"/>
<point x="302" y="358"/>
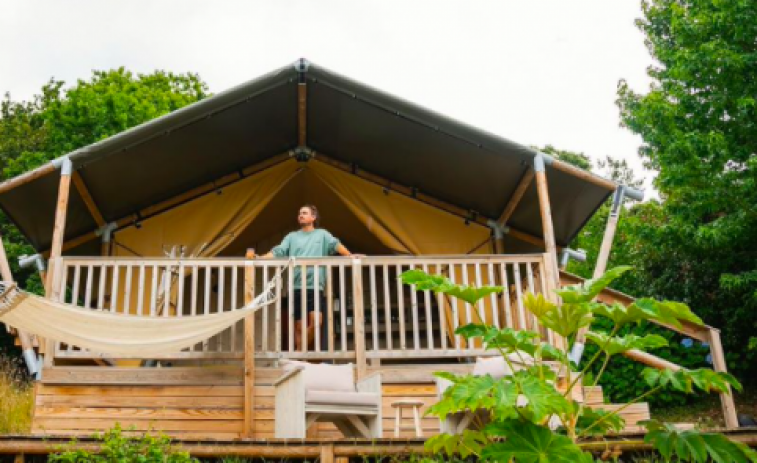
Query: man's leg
<point x="314" y="321"/>
<point x="298" y="335"/>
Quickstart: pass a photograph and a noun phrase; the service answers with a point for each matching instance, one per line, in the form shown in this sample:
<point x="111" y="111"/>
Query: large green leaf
<point x="589" y="289"/>
<point x="467" y="393"/>
<point x="469" y="442"/>
<point x="599" y="422"/>
<point x="613" y="345"/>
<point x="685" y="380"/>
<point x="441" y="284"/>
<point x="507" y="339"/>
<point x="672" y="313"/>
<point x="693" y="446"/>
<point x="543" y="399"/>
<point x="526" y="442"/>
<point x="565" y="319"/>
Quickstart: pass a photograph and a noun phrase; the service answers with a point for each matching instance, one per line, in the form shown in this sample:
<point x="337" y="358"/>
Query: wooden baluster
<point x="264" y="331"/>
<point x="479" y="283"/>
<point x="414" y="314"/>
<point x="167" y="290"/>
<point x="206" y="302"/>
<point x="493" y="297"/>
<point x="533" y="324"/>
<point x="343" y="307"/>
<point x="290" y="300"/>
<point x="75" y="288"/>
<point x="127" y="289"/>
<point x="303" y="308"/>
<point x="277" y="318"/>
<point x="468" y="311"/>
<point x="103" y="276"/>
<point x="401" y="306"/>
<point x="141" y="290"/>
<point x="429" y="320"/>
<point x="519" y="297"/>
<point x="508" y="314"/>
<point x="221" y="291"/>
<point x="387" y="309"/>
<point x="154" y="291"/>
<point x="330" y="305"/>
<point x="180" y="291"/>
<point x="374" y="308"/>
<point x="442" y="313"/>
<point x="114" y="290"/>
<point x="234" y="306"/>
<point x="88" y="287"/>
<point x="455" y="315"/>
<point x="359" y="320"/>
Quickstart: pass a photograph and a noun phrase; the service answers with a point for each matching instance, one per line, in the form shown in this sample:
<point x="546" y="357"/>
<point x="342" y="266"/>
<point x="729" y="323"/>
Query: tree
<point x="60" y="120"/>
<point x="698" y="122"/>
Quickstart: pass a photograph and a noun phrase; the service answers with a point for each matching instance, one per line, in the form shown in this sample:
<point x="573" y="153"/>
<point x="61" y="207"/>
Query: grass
<point x="707" y="413"/>
<point x="16" y="398"/>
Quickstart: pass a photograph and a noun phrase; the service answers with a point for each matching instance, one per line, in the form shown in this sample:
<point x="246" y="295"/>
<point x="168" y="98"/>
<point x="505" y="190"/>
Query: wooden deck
<point x="208" y="403"/>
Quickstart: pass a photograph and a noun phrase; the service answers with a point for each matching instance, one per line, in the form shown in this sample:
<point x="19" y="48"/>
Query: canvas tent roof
<point x="349" y="122"/>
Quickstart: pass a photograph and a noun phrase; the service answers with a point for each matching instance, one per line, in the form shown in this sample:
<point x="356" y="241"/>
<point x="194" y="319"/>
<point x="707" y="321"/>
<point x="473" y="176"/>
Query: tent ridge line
<point x="178" y="200"/>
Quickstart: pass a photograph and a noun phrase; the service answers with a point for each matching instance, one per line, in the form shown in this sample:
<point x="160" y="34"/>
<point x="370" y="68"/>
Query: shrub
<point x="117" y="447"/>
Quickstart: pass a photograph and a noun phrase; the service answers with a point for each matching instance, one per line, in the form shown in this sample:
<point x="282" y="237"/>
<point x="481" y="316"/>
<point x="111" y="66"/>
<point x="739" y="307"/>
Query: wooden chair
<point x="300" y="402"/>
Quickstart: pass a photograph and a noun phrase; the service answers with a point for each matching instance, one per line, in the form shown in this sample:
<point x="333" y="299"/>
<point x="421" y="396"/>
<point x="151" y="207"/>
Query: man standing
<point x="308" y="241"/>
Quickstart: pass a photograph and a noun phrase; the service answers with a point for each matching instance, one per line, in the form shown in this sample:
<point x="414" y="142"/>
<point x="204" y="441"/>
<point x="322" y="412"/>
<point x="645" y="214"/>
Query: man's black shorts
<point x="309" y="302"/>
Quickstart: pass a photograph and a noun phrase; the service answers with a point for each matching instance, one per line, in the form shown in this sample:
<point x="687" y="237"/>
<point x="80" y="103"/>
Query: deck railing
<point x="364" y="307"/>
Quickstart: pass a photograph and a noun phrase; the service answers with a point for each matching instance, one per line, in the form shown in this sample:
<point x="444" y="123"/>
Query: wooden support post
<point x="719" y="365"/>
<point x="249" y="349"/>
<point x="5" y="272"/>
<point x="81" y="187"/>
<point x="56" y="250"/>
<point x="517" y="195"/>
<point x="359" y="320"/>
<point x="546" y="213"/>
<point x="327" y="453"/>
<point x="607" y="239"/>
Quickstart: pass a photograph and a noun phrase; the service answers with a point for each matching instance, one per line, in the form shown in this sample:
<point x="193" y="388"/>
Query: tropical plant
<point x="533" y="417"/>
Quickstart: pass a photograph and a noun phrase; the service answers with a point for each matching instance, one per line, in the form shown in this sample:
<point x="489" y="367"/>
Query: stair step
<point x="593" y="395"/>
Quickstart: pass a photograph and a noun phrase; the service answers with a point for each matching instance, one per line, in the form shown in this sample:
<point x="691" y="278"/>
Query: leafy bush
<point x="531" y="416"/>
<point x="117" y="447"/>
<point x="16" y="398"/>
<point x="622" y="381"/>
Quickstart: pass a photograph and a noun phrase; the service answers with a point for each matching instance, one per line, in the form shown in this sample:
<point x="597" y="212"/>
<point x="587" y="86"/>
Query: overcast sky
<point x="535" y="71"/>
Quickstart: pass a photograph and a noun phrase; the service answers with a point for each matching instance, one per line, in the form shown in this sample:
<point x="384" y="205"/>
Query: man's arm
<point x="282" y="249"/>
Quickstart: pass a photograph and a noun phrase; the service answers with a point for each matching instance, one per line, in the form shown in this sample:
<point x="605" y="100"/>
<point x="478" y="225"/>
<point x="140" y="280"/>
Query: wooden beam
<point x="422" y="197"/>
<point x="719" y="365"/>
<point x="249" y="349"/>
<point x="179" y="199"/>
<point x="583" y="175"/>
<point x="546" y="212"/>
<point x="81" y="187"/>
<point x="517" y="195"/>
<point x="302" y="114"/>
<point x="27" y="177"/>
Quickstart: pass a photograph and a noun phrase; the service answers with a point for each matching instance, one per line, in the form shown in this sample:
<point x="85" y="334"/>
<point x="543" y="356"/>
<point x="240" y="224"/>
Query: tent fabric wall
<point x="208" y="225"/>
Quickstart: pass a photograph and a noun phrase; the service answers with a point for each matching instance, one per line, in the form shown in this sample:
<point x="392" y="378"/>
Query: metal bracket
<point x="539" y="162"/>
<point x="499" y="230"/>
<point x="36" y="260"/>
<point x="302" y="154"/>
<point x="302" y="65"/>
<point x="64" y="164"/>
<point x="575" y="254"/>
<point x="106" y="231"/>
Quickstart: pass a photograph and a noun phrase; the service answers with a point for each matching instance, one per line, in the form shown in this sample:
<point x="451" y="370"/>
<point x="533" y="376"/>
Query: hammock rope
<point x="120" y="334"/>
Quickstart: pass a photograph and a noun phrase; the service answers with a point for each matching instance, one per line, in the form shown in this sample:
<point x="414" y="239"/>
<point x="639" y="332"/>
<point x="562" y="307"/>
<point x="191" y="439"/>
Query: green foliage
<point x="442" y="284"/>
<point x="693" y="446"/>
<point x="529" y="418"/>
<point x="61" y="119"/>
<point x="697" y="122"/>
<point x="116" y="447"/>
<point x="613" y="345"/>
<point x="526" y="442"/>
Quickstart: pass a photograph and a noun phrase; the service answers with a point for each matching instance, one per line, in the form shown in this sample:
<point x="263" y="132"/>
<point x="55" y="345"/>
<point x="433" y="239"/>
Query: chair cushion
<point x="340" y="398"/>
<point x="324" y="377"/>
<point x="494" y="366"/>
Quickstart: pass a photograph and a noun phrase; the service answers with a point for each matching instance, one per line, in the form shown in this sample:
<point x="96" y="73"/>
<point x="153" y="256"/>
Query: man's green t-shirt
<point x="316" y="243"/>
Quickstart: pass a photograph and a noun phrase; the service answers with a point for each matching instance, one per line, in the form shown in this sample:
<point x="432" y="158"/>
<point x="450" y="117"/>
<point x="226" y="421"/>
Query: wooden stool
<point x="416" y="406"/>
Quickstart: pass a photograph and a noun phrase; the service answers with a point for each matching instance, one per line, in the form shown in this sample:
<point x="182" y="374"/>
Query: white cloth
<point x="114" y="333"/>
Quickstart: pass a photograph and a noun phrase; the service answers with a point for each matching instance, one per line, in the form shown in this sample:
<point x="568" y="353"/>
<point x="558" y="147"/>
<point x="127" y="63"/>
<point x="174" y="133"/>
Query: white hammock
<point x="118" y="334"/>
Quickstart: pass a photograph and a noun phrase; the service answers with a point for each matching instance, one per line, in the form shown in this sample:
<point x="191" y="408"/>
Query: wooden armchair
<point x="309" y="393"/>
